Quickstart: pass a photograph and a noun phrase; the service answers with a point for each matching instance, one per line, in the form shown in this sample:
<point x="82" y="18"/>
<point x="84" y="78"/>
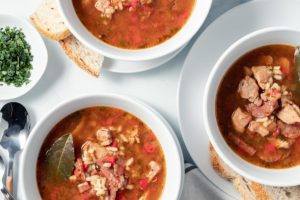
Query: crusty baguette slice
<point x="48" y="21"/>
<point x="85" y="58"/>
<point x="250" y="190"/>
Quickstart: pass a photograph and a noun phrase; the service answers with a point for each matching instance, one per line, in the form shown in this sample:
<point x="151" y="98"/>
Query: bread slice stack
<point x="50" y="24"/>
<point x="250" y="190"/>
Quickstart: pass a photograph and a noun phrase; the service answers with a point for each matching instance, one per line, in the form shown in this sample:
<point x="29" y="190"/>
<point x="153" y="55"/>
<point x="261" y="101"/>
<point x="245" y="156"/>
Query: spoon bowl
<point x="16" y="119"/>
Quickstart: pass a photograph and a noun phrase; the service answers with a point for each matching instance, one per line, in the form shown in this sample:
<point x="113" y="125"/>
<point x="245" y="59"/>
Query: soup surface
<point x="116" y="157"/>
<point x="133" y="24"/>
<point x="260" y="94"/>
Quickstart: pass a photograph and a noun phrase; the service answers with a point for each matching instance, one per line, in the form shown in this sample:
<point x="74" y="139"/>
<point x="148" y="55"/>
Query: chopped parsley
<point x="15" y="57"/>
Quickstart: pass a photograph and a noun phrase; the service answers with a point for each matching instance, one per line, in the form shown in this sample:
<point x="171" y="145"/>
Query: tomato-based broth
<point x="260" y="94"/>
<point x="133" y="24"/>
<point x="116" y="156"/>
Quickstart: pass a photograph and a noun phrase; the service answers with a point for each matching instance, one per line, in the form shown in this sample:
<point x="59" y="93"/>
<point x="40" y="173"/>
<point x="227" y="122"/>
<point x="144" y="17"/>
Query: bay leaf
<point x="60" y="158"/>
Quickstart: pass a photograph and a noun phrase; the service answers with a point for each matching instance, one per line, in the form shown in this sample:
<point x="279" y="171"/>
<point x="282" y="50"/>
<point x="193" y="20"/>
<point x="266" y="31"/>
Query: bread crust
<point x="78" y="52"/>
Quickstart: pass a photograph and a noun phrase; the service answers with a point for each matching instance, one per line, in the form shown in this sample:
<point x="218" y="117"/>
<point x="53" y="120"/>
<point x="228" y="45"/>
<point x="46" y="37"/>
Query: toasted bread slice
<point x="85" y="58"/>
<point x="48" y="21"/>
<point x="250" y="190"/>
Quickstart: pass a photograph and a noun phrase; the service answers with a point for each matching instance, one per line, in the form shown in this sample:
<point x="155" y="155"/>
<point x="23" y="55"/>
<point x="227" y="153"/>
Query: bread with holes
<point x="49" y="22"/>
<point x="85" y="58"/>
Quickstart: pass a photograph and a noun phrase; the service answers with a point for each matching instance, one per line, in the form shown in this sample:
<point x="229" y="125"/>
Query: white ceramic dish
<point x="202" y="57"/>
<point x="125" y="67"/>
<point x="38" y="50"/>
<point x="274" y="177"/>
<point x="163" y="132"/>
<point x="193" y="24"/>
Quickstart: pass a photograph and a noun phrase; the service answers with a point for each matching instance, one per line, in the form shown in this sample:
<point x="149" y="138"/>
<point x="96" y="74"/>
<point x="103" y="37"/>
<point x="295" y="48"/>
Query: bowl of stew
<point x="102" y="147"/>
<point x="134" y="29"/>
<point x="251" y="107"/>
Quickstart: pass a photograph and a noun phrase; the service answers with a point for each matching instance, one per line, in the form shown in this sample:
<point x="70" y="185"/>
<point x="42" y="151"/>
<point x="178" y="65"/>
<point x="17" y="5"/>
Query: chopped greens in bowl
<point x="15" y="57"/>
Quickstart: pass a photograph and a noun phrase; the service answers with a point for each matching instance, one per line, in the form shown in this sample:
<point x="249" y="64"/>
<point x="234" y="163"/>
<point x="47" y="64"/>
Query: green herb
<point x="60" y="158"/>
<point x="15" y="57"/>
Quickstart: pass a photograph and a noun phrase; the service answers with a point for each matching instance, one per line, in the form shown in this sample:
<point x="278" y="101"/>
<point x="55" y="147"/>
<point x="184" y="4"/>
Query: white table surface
<point x="63" y="80"/>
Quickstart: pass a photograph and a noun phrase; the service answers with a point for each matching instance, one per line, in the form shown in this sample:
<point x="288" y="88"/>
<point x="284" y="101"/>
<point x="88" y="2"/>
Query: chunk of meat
<point x="289" y="130"/>
<point x="241" y="144"/>
<point x="289" y="114"/>
<point x="248" y="89"/>
<point x="262" y="111"/>
<point x="91" y="152"/>
<point x="104" y="137"/>
<point x="154" y="170"/>
<point x="114" y="181"/>
<point x="240" y="119"/>
<point x="263" y="76"/>
<point x="258" y="128"/>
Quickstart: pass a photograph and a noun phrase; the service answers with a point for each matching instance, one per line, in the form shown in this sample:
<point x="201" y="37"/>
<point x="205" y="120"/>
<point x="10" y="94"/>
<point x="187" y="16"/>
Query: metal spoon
<point x="12" y="140"/>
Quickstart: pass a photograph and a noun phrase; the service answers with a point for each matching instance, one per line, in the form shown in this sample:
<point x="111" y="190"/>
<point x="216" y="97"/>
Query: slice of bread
<point x="250" y="190"/>
<point x="85" y="58"/>
<point x="48" y="21"/>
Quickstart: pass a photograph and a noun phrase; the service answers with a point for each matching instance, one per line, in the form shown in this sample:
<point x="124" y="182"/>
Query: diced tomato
<point x="85" y="167"/>
<point x="270" y="148"/>
<point x="285" y="70"/>
<point x="134" y="3"/>
<point x="120" y="197"/>
<point x="109" y="121"/>
<point x="110" y="159"/>
<point x="114" y="143"/>
<point x="149" y="148"/>
<point x="143" y="183"/>
<point x="132" y="122"/>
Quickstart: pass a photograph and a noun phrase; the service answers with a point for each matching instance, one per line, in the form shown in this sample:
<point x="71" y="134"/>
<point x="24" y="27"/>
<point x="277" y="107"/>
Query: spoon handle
<point x="9" y="184"/>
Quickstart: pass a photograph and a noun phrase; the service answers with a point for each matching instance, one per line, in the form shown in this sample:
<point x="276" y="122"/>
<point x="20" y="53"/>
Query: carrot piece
<point x="149" y="148"/>
<point x="143" y="183"/>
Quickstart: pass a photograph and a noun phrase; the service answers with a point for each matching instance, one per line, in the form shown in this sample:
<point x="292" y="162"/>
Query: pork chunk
<point x="104" y="137"/>
<point x="289" y="114"/>
<point x="240" y="119"/>
<point x="291" y="131"/>
<point x="263" y="76"/>
<point x="258" y="128"/>
<point x="262" y="111"/>
<point x="241" y="144"/>
<point x="248" y="89"/>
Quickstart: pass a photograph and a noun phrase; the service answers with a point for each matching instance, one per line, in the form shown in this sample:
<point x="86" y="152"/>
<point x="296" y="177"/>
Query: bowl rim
<point x="168" y="46"/>
<point x="141" y="106"/>
<point x="208" y="93"/>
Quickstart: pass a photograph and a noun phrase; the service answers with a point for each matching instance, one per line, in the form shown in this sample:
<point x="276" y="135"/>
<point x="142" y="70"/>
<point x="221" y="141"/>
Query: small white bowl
<point x="195" y="21"/>
<point x="267" y="36"/>
<point x="38" y="50"/>
<point x="162" y="130"/>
